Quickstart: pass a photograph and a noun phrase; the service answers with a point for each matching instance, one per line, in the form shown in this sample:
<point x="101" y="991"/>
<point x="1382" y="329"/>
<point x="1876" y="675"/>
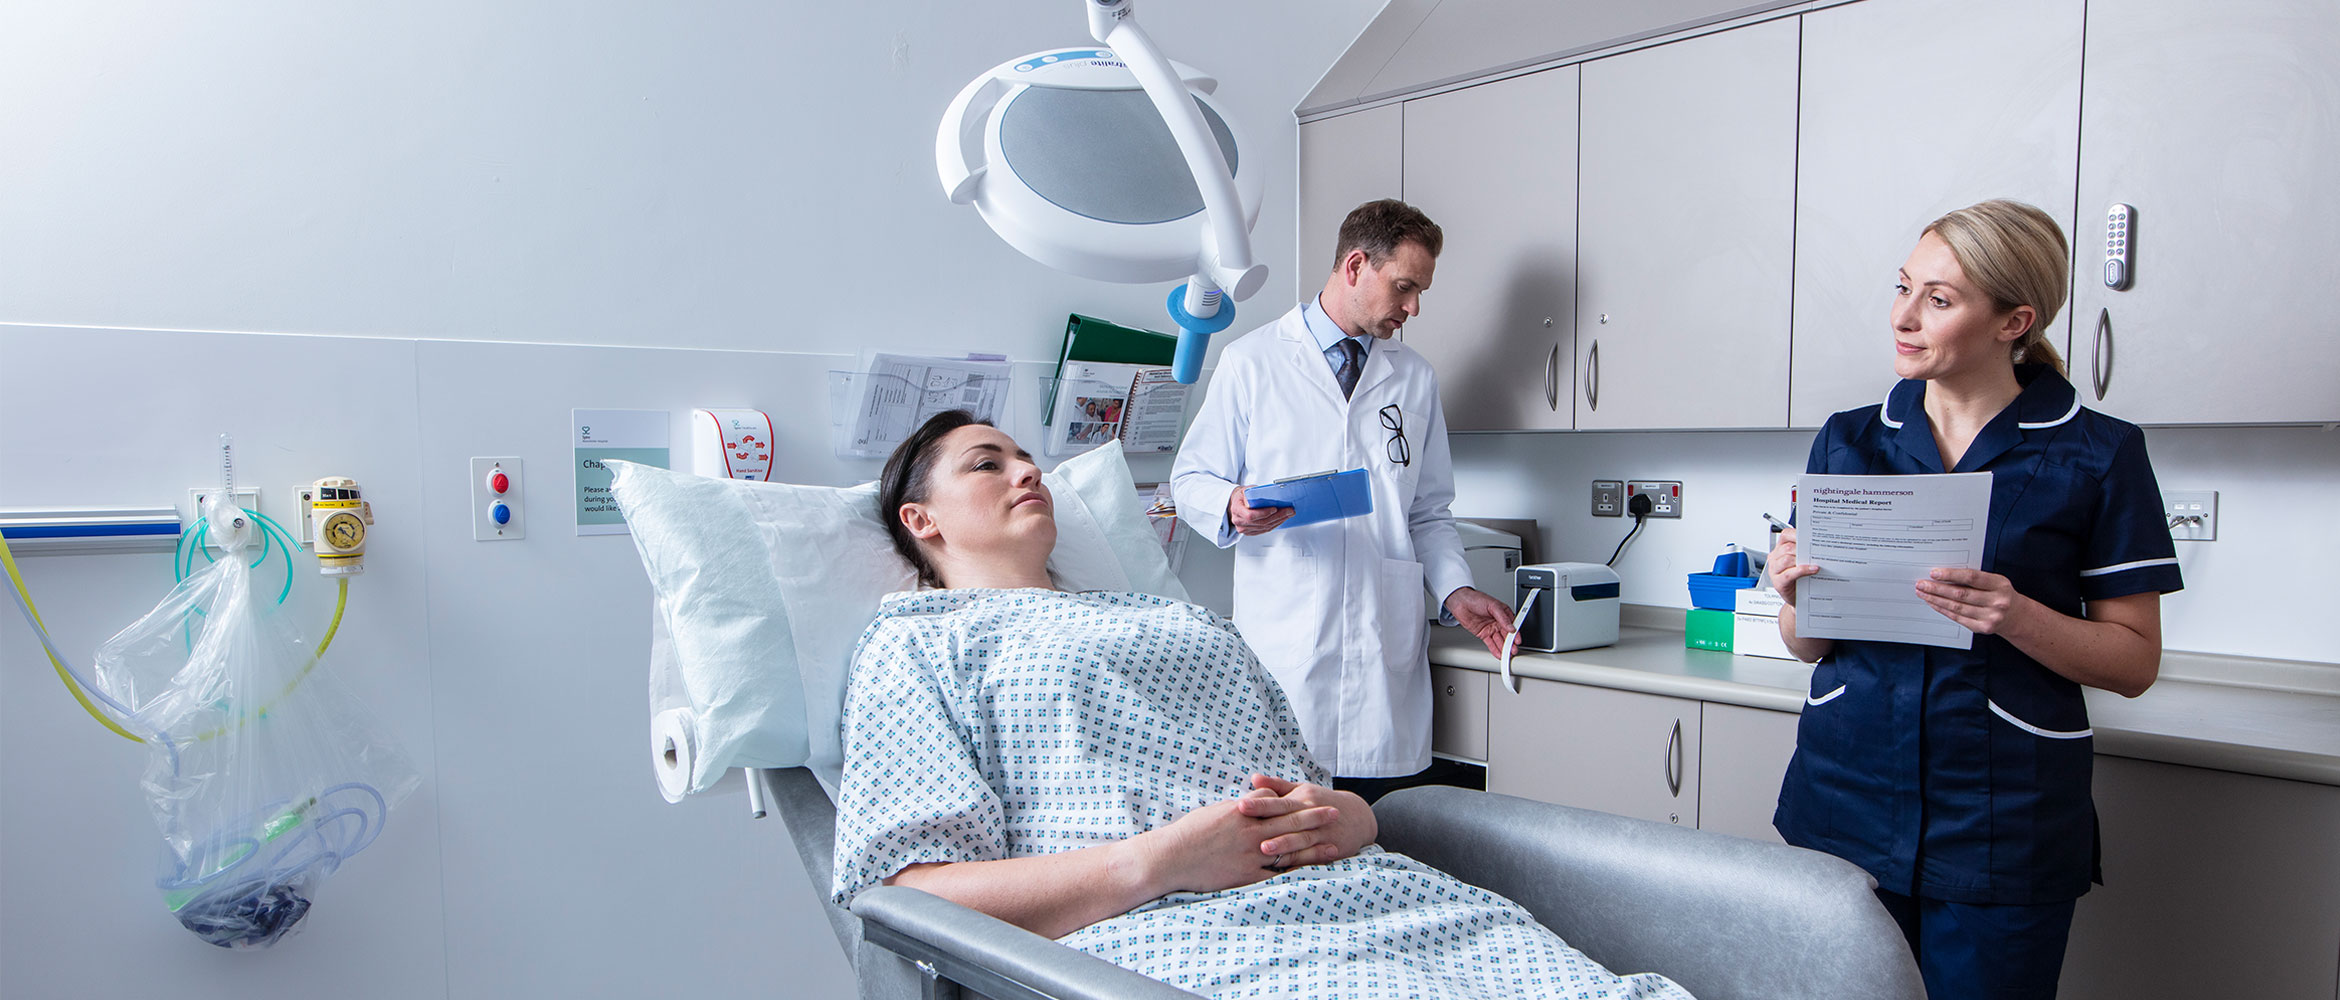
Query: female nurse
<point x="1959" y="777"/>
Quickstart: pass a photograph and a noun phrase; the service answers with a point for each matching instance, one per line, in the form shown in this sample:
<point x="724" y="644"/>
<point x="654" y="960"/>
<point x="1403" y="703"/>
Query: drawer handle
<point x="1674" y="760"/>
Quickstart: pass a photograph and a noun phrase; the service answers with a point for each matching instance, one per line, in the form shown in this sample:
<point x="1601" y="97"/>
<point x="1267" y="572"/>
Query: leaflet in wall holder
<point x="873" y="410"/>
<point x="1321" y="496"/>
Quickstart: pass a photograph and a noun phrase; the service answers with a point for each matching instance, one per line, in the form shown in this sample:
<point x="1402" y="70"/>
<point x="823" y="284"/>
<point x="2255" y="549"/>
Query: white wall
<point x="428" y="230"/>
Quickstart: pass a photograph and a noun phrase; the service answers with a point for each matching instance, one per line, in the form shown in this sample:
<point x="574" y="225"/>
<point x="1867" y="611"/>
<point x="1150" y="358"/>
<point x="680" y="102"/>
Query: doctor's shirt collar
<point x="1326" y="332"/>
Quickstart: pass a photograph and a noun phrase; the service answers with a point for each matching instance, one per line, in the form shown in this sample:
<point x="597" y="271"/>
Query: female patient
<point x="1115" y="770"/>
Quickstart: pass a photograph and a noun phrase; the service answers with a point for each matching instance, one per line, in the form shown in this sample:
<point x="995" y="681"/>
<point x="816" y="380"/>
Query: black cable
<point x="1639" y="507"/>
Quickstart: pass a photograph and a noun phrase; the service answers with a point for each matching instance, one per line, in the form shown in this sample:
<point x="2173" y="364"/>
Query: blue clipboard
<point x="1325" y="496"/>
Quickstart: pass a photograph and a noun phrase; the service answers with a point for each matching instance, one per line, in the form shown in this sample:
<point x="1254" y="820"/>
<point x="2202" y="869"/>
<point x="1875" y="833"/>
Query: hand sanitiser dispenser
<point x="1575" y="605"/>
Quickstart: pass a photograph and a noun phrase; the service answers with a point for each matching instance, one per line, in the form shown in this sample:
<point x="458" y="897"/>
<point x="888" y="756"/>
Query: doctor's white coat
<point x="1335" y="610"/>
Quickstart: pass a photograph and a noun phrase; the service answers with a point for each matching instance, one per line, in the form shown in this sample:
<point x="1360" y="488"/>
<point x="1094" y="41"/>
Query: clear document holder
<point x="1078" y="414"/>
<point x="871" y="412"/>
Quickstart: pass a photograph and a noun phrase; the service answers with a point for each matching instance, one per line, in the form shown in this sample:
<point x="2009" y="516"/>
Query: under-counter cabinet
<point x="1686" y="233"/>
<point x="1620" y="752"/>
<point x="1911" y="108"/>
<point x="1495" y="166"/>
<point x="2215" y="122"/>
<point x="1672" y="760"/>
<point x="2216" y="884"/>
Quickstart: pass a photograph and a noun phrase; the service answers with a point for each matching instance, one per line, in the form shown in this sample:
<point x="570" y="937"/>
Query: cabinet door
<point x="1743" y="754"/>
<point x="1686" y="235"/>
<point x="1344" y="162"/>
<point x="1495" y="166"/>
<point x="1458" y="713"/>
<point x="1619" y="752"/>
<point x="2215" y="122"/>
<point x="1912" y="108"/>
<point x="2215" y="885"/>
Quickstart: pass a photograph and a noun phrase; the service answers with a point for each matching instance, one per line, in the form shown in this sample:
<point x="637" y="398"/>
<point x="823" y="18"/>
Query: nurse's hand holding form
<point x="1983" y="602"/>
<point x="1784" y="572"/>
<point x="1249" y="520"/>
<point x="1486" y="617"/>
<point x="1781" y="564"/>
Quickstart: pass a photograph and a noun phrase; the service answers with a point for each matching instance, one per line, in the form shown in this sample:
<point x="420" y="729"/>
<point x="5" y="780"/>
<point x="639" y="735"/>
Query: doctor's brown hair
<point x="1379" y="227"/>
<point x="909" y="478"/>
<point x="2015" y="254"/>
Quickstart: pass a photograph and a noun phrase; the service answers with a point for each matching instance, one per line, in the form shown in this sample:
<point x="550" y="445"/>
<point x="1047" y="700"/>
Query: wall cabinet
<point x="1912" y="108"/>
<point x="1495" y="167"/>
<point x="1671" y="760"/>
<point x="1686" y="235"/>
<point x="1344" y="162"/>
<point x="2215" y="122"/>
<point x="1624" y="261"/>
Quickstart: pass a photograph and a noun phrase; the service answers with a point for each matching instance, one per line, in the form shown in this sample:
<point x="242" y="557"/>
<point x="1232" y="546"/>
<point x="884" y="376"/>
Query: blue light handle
<point x="1194" y="335"/>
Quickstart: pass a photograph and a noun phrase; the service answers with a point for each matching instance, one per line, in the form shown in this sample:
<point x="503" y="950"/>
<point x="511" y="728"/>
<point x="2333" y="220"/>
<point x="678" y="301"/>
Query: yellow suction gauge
<point x="341" y="515"/>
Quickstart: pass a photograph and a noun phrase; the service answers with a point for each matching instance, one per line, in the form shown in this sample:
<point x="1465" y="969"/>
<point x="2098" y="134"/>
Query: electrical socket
<point x="1608" y="498"/>
<point x="2193" y="514"/>
<point x="1665" y="495"/>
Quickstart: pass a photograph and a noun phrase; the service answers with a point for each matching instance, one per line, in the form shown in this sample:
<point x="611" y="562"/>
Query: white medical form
<point x="1873" y="538"/>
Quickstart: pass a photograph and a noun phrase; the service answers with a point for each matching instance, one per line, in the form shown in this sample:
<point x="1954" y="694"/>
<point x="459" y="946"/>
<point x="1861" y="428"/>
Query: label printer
<point x="1575" y="605"/>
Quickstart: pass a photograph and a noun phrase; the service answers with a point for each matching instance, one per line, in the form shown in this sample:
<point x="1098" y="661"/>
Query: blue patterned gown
<point x="987" y="724"/>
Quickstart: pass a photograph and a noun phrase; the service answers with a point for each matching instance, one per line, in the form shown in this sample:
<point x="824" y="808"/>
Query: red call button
<point x="499" y="482"/>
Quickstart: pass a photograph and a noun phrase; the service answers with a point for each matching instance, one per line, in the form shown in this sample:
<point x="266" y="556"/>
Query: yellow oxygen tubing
<point x="24" y="597"/>
<point x="65" y="674"/>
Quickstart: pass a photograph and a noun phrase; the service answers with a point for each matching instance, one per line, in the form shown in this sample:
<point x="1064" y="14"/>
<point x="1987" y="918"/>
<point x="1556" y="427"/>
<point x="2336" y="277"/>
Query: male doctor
<point x="1335" y="609"/>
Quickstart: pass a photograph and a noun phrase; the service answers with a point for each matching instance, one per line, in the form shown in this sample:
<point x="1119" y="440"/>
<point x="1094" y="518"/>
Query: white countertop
<point x="2277" y="732"/>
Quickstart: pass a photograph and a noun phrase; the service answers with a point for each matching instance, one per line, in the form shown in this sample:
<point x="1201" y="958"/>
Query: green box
<point x="1708" y="628"/>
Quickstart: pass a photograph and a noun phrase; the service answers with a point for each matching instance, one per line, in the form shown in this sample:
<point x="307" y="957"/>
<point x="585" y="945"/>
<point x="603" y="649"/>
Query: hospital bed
<point x="764" y="588"/>
<point x="1724" y="916"/>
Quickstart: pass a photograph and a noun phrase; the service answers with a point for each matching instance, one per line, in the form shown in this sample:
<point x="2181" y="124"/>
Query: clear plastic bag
<point x="267" y="774"/>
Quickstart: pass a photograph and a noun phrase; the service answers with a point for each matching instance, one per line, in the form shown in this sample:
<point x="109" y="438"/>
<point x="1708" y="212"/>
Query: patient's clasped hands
<point x="1277" y="825"/>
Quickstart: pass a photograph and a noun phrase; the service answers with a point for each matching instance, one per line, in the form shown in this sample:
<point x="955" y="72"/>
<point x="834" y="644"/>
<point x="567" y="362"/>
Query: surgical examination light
<point x="1115" y="164"/>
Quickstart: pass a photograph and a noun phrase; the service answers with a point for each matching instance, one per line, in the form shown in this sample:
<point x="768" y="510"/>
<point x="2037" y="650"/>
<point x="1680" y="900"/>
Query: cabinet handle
<point x="1552" y="380"/>
<point x="2100" y="356"/>
<point x="1592" y="376"/>
<point x="1674" y="760"/>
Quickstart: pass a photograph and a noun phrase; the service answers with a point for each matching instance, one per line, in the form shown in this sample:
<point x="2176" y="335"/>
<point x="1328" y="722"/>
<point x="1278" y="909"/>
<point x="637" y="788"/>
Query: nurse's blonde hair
<point x="2015" y="254"/>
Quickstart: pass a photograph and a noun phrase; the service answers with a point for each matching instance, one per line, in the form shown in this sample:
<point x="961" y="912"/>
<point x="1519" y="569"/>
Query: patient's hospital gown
<point x="986" y="724"/>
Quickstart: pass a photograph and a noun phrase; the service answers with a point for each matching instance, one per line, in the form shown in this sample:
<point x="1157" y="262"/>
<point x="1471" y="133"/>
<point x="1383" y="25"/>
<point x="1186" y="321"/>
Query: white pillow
<point x="763" y="589"/>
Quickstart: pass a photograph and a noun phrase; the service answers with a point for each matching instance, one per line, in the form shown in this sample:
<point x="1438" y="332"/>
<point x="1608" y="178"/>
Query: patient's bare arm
<point x="1354" y="828"/>
<point x="1218" y="846"/>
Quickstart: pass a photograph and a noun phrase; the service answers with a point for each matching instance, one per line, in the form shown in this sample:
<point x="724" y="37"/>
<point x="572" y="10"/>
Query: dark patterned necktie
<point x="1352" y="363"/>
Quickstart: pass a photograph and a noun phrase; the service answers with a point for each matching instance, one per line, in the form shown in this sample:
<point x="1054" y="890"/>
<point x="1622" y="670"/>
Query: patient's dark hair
<point x="909" y="478"/>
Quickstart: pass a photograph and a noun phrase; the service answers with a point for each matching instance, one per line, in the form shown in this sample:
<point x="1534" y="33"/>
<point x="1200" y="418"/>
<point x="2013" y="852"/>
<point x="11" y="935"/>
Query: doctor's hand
<point x="1350" y="831"/>
<point x="1249" y="520"/>
<point x="1983" y="602"/>
<point x="1781" y="565"/>
<point x="1486" y="617"/>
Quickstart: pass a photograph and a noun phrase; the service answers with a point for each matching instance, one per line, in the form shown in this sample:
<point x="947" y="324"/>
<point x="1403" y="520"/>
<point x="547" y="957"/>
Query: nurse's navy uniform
<point x="1962" y="775"/>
